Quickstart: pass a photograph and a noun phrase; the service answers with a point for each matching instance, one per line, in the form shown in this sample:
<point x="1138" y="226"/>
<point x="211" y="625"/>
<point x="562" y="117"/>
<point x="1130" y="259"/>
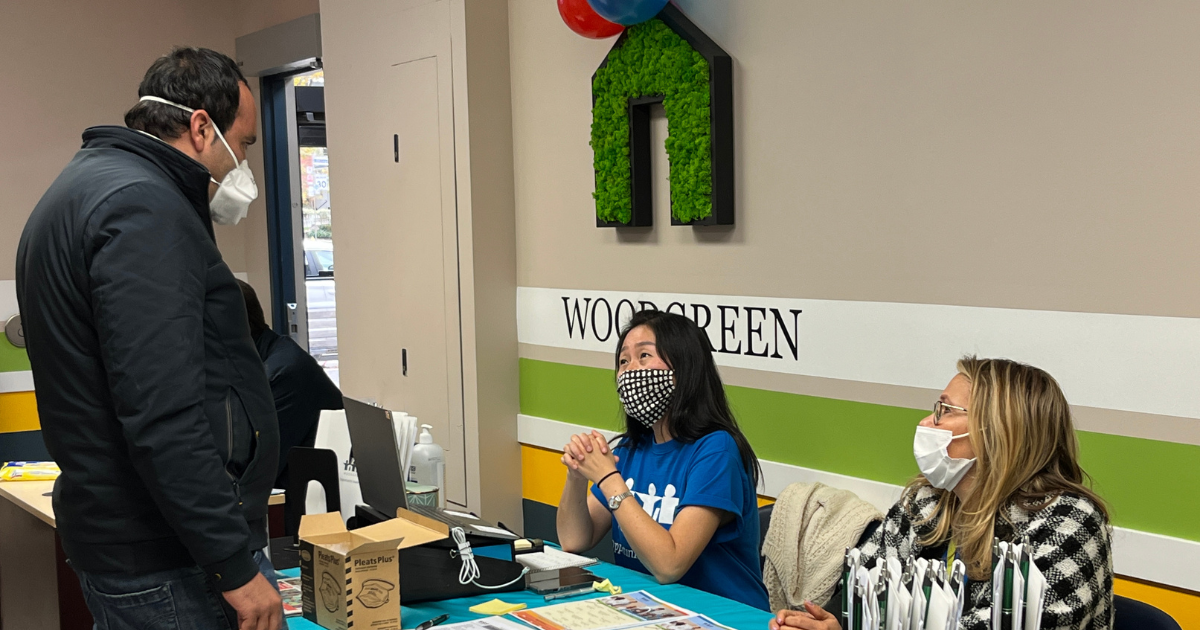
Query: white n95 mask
<point x="930" y="449"/>
<point x="235" y="191"/>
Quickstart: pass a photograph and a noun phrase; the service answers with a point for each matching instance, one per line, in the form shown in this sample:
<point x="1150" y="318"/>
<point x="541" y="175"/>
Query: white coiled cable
<point x="470" y="569"/>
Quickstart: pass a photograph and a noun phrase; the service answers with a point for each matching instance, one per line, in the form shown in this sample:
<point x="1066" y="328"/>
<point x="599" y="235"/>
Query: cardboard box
<point x="351" y="579"/>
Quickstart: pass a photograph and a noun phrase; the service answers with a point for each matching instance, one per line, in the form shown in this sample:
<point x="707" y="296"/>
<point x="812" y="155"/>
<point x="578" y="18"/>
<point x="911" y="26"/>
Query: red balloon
<point x="583" y="19"/>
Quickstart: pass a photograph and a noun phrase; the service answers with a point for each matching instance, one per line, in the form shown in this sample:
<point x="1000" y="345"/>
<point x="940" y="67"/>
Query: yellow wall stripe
<point x="543" y="476"/>
<point x="18" y="412"/>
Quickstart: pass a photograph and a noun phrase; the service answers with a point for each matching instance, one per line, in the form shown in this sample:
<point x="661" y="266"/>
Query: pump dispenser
<point x="429" y="463"/>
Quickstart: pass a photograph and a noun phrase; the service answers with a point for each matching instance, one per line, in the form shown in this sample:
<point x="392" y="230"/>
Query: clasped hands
<point x="587" y="455"/>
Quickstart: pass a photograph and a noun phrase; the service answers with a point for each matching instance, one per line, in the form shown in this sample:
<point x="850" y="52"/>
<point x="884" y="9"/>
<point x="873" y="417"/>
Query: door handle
<point x="293" y="322"/>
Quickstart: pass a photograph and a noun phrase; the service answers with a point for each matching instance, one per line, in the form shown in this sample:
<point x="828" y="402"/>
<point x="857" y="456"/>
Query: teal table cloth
<point x="724" y="611"/>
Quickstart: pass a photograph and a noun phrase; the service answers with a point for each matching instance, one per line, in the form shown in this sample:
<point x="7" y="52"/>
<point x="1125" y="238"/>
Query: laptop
<point x="381" y="479"/>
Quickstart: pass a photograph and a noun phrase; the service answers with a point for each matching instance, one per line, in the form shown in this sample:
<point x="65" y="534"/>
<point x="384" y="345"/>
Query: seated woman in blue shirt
<point x="678" y="490"/>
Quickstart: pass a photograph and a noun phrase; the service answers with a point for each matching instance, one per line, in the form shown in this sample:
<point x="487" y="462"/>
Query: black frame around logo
<point x="720" y="86"/>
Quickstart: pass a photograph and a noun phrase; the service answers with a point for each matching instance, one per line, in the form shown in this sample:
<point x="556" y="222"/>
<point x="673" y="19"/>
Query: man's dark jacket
<point x="151" y="395"/>
<point x="301" y="389"/>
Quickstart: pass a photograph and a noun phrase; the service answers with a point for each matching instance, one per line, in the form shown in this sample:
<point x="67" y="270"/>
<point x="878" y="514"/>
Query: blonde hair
<point x="1026" y="455"/>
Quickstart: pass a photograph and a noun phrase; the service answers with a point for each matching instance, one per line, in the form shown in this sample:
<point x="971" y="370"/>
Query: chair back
<point x="1130" y="614"/>
<point x="764" y="523"/>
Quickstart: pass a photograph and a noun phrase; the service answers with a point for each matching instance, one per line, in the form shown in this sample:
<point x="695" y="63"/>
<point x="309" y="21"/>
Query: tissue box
<point x="352" y="578"/>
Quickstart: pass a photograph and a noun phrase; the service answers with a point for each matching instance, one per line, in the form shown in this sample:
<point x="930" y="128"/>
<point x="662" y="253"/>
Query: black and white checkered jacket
<point x="1071" y="543"/>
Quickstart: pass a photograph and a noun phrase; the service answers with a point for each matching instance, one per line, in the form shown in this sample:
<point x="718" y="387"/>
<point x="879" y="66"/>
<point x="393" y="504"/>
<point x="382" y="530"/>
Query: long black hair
<point x="698" y="406"/>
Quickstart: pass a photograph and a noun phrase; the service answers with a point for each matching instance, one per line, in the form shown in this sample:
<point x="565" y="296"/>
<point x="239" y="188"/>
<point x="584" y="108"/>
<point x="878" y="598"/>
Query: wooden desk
<point x="37" y="588"/>
<point x="32" y="496"/>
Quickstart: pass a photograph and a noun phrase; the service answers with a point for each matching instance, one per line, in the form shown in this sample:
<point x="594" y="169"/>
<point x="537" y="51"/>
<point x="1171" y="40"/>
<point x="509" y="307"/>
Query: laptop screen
<point x="376" y="456"/>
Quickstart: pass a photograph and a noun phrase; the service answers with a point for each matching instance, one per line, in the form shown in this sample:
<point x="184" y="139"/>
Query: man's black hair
<point x="198" y="78"/>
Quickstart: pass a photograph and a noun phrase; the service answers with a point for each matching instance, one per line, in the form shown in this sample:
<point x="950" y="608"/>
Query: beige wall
<point x="77" y="64"/>
<point x="255" y="15"/>
<point x="436" y="74"/>
<point x="1017" y="154"/>
<point x="494" y="380"/>
<point x="71" y="65"/>
<point x="250" y="248"/>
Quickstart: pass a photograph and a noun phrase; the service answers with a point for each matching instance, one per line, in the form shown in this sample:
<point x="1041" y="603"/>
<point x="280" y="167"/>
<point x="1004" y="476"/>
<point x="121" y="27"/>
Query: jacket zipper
<point x="229" y="429"/>
<point x="229" y="432"/>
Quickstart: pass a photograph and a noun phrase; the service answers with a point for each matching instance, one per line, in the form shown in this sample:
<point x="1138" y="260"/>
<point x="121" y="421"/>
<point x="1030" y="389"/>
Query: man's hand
<point x="257" y="604"/>
<point x="813" y="617"/>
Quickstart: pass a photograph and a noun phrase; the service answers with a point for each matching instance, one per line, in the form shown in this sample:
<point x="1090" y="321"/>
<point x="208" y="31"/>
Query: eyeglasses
<point x="939" y="410"/>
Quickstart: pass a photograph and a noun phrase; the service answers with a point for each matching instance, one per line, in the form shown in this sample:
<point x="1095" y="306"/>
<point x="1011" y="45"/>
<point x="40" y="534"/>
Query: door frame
<point x="285" y="224"/>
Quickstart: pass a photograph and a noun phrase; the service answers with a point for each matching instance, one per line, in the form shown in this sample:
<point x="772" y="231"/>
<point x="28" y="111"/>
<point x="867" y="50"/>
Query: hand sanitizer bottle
<point x="429" y="463"/>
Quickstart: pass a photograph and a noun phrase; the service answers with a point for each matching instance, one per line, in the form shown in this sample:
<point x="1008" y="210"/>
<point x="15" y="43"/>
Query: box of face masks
<point x="352" y="578"/>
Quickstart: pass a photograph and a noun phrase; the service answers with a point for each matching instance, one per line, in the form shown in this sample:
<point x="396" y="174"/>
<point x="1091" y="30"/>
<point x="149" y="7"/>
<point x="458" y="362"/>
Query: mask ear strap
<point x="222" y="137"/>
<point x="192" y="111"/>
<point x="166" y="102"/>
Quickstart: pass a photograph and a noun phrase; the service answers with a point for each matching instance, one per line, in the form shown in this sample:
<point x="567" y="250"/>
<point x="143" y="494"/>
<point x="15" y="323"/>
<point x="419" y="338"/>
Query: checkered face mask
<point x="646" y="394"/>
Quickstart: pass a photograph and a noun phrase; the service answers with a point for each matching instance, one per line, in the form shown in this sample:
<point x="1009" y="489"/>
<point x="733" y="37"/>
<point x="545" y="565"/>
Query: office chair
<point x="1130" y="614"/>
<point x="764" y="523"/>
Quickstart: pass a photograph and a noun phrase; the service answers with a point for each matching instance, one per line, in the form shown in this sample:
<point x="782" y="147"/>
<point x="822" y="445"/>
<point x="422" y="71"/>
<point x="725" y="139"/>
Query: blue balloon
<point x="627" y="12"/>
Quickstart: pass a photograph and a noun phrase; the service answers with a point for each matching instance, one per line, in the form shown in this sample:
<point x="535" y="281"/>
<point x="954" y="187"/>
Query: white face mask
<point x="930" y="448"/>
<point x="235" y="191"/>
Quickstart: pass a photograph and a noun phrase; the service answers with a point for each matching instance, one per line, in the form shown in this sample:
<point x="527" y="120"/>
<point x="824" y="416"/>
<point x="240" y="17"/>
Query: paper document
<point x="487" y="623"/>
<point x="552" y="559"/>
<point x="1035" y="597"/>
<point x="494" y="530"/>
<point x="998" y="585"/>
<point x="1018" y="593"/>
<point x="615" y="612"/>
<point x="291" y="593"/>
<point x="940" y="607"/>
<point x="920" y="603"/>
<point x="698" y="622"/>
<point x="897" y="603"/>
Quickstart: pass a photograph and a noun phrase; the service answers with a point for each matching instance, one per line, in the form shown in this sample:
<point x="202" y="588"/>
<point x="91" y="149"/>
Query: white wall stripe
<point x="1142" y="555"/>
<point x="8" y="299"/>
<point x="1125" y="362"/>
<point x="16" y="382"/>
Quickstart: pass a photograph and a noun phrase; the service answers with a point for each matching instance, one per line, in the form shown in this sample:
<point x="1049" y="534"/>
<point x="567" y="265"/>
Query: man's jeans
<point x="177" y="599"/>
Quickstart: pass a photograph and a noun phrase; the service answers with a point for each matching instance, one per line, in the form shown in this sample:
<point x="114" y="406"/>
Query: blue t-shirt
<point x="670" y="476"/>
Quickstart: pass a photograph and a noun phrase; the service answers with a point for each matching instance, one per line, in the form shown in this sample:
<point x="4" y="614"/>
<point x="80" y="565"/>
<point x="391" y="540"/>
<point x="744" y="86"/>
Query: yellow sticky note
<point x="607" y="587"/>
<point x="496" y="607"/>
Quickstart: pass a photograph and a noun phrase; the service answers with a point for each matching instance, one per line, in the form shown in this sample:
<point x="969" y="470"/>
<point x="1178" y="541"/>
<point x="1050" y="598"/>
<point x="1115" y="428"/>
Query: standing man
<point x="152" y="398"/>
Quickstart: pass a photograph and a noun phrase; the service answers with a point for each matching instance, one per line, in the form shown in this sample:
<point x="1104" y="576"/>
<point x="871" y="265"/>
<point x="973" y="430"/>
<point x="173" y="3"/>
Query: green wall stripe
<point x="12" y="358"/>
<point x="570" y="393"/>
<point x="1149" y="485"/>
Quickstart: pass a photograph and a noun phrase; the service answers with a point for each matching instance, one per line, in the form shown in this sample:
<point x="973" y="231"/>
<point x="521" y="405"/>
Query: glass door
<point x="316" y="245"/>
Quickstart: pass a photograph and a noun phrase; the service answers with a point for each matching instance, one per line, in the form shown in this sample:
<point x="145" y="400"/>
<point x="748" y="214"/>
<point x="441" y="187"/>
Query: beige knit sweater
<point x="811" y="527"/>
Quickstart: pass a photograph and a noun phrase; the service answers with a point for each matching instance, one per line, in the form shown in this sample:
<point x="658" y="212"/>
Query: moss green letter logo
<point x="668" y="60"/>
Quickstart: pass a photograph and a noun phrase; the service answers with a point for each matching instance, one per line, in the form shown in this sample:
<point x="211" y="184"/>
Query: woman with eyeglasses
<point x="678" y="491"/>
<point x="998" y="458"/>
